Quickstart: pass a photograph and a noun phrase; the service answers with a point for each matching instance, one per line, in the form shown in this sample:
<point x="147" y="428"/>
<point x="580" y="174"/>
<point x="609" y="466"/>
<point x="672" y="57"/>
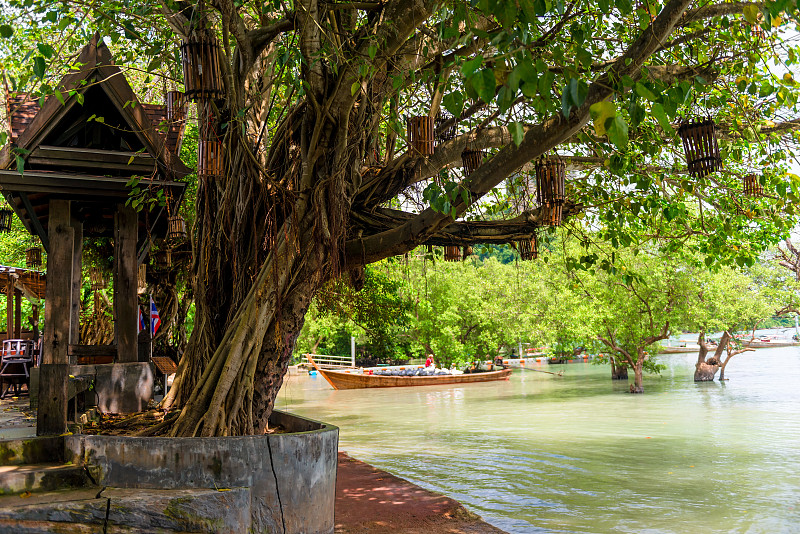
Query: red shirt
<point x="429" y="361"/>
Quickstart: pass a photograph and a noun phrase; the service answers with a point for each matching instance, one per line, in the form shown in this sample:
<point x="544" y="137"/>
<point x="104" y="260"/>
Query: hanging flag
<point x="141" y="320"/>
<point x="155" y="318"/>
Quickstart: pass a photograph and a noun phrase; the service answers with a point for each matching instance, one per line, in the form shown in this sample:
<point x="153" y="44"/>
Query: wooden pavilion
<point x="81" y="152"/>
<point x="18" y="283"/>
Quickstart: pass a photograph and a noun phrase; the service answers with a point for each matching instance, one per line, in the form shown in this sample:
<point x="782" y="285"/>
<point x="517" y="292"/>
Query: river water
<point x="577" y="454"/>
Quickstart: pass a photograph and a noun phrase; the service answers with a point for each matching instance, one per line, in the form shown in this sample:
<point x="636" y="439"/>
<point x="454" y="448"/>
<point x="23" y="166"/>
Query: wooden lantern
<point x="466" y="252"/>
<point x="444" y="134"/>
<point x="33" y="257"/>
<point x="163" y="259"/>
<point x="700" y="146"/>
<point x="420" y="134"/>
<point x="210" y="157"/>
<point x="202" y="74"/>
<point x="550" y="189"/>
<point x="96" y="278"/>
<point x="528" y="249"/>
<point x="176" y="106"/>
<point x="177" y="229"/>
<point x="6" y="217"/>
<point x="472" y="159"/>
<point x="752" y="186"/>
<point x="452" y="253"/>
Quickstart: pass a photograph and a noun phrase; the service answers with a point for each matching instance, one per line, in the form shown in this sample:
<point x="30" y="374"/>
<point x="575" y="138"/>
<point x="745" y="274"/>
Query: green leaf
<point x="644" y="92"/>
<point x="601" y="112"/>
<point x="517" y="132"/>
<point x="46" y="50"/>
<point x="20" y="164"/>
<point x="484" y="84"/>
<point x="39" y="67"/>
<point x="6" y="31"/>
<point x="454" y="103"/>
<point x="354" y="88"/>
<point x="751" y="14"/>
<point x="618" y="132"/>
<point x="661" y="116"/>
<point x="372" y="51"/>
<point x="566" y="103"/>
<point x="59" y="96"/>
<point x="471" y="65"/>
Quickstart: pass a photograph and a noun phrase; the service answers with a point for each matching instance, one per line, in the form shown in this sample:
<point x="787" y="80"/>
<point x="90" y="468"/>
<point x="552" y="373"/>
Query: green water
<point x="579" y="454"/>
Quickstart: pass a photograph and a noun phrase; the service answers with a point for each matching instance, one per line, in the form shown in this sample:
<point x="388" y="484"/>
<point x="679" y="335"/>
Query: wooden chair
<point x="17" y="359"/>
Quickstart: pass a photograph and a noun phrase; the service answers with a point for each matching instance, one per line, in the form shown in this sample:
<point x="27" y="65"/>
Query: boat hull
<point x="768" y="344"/>
<point x="343" y="380"/>
<point x="677" y="350"/>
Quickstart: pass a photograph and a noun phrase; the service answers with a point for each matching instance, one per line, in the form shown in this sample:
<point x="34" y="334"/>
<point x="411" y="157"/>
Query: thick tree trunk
<point x="619" y="372"/>
<point x="638" y="377"/>
<point x="706" y="368"/>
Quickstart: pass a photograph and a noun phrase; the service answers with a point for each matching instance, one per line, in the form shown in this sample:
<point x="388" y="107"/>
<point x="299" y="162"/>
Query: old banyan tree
<point x="335" y="134"/>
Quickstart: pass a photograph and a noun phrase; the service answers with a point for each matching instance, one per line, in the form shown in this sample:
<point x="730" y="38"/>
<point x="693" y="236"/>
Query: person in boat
<point x="429" y="362"/>
<point x="472" y="368"/>
<point x="498" y="362"/>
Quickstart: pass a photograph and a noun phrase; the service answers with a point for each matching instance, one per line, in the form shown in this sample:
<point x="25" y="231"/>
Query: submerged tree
<point x="310" y="118"/>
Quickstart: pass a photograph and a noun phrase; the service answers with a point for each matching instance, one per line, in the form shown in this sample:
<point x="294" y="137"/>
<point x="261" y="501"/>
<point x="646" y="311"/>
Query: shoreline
<point x="369" y="500"/>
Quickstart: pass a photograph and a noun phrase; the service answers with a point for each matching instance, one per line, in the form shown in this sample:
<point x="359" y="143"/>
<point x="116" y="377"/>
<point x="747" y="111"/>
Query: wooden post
<point x="18" y="314"/>
<point x="77" y="280"/>
<point x="53" y="374"/>
<point x="126" y="270"/>
<point x="10" y="307"/>
<point x="35" y="321"/>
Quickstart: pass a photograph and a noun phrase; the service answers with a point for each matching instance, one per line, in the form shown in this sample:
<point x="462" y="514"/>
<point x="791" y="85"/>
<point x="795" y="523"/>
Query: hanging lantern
<point x="752" y="186"/>
<point x="444" y="134"/>
<point x="452" y="253"/>
<point x="472" y="159"/>
<point x="528" y="249"/>
<point x="700" y="147"/>
<point x="163" y="259"/>
<point x="550" y="178"/>
<point x="33" y="257"/>
<point x="420" y="134"/>
<point x="202" y="75"/>
<point x="466" y="252"/>
<point x="96" y="278"/>
<point x="210" y="157"/>
<point x="176" y="106"/>
<point x="177" y="229"/>
<point x="6" y="217"/>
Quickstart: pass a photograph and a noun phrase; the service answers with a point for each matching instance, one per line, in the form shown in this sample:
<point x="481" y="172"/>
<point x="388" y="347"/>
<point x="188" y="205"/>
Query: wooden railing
<point x="327" y="361"/>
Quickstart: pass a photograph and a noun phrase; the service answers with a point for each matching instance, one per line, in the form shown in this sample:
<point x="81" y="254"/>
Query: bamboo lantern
<point x="6" y="217"/>
<point x="444" y="134"/>
<point x="96" y="278"/>
<point x="752" y="186"/>
<point x="33" y="257"/>
<point x="176" y="106"/>
<point x="550" y="178"/>
<point x="210" y="157"/>
<point x="163" y="259"/>
<point x="202" y="75"/>
<point x="466" y="252"/>
<point x="472" y="159"/>
<point x="177" y="229"/>
<point x="452" y="253"/>
<point x="528" y="249"/>
<point x="700" y="147"/>
<point x="420" y="134"/>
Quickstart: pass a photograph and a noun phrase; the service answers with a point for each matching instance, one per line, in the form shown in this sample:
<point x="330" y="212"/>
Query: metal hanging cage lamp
<point x="176" y="232"/>
<point x="471" y="159"/>
<point x="444" y="133"/>
<point x="700" y="146"/>
<point x="33" y="257"/>
<point x="550" y="189"/>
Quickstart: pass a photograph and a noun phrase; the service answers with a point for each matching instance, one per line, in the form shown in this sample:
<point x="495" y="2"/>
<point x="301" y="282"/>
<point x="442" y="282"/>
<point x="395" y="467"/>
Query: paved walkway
<point x="17" y="420"/>
<point x="369" y="500"/>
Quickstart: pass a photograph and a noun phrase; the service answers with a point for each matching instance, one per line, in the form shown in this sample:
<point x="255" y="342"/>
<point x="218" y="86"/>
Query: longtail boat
<point x="356" y="380"/>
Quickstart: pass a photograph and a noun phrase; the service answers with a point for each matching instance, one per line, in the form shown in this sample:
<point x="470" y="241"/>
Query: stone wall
<point x="291" y="477"/>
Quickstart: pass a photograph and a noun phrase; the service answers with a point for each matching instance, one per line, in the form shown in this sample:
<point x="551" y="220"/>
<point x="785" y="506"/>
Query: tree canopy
<point x="320" y="178"/>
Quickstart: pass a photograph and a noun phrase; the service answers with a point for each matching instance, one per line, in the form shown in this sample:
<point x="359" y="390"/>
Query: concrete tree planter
<point x="279" y="483"/>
